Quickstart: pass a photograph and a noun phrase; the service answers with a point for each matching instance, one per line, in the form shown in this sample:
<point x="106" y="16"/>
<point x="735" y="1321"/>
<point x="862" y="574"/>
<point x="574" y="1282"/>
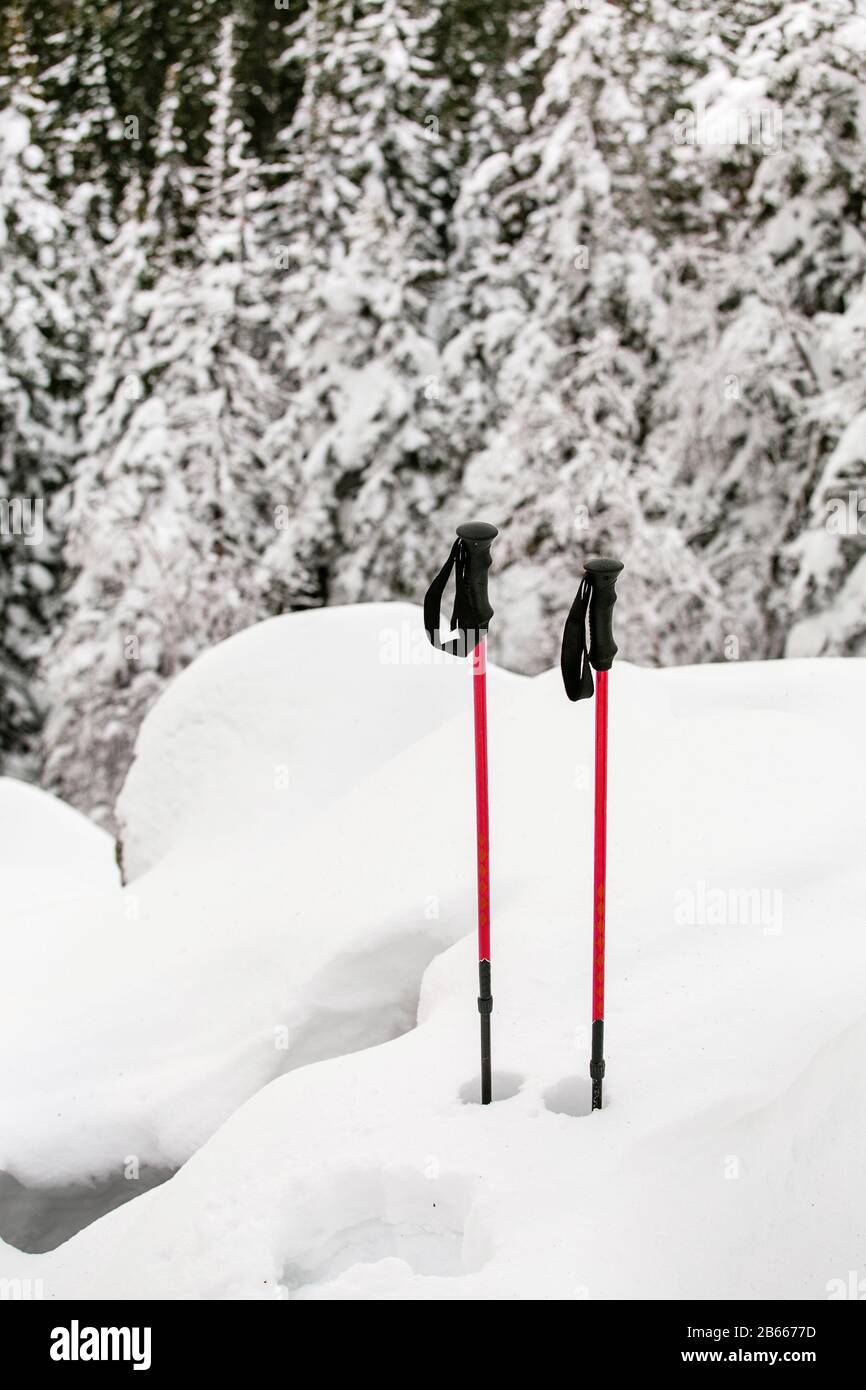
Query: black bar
<point x="197" y="1339"/>
<point x="596" y="1066"/>
<point x="485" y="1009"/>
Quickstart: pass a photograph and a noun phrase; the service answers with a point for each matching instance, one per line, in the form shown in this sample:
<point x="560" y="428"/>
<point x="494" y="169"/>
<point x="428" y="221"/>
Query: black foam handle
<point x="603" y="573"/>
<point x="477" y="538"/>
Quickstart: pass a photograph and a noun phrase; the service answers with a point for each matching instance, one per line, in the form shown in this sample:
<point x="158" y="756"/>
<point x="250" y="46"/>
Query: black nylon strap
<point x="574" y="659"/>
<point x="464" y="616"/>
<point x="433" y="603"/>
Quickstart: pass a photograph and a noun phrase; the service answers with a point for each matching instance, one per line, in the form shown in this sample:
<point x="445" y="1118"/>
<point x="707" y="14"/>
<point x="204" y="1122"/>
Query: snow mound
<point x="279" y="924"/>
<point x="48" y="851"/>
<point x="276" y="722"/>
<point x="289" y="1019"/>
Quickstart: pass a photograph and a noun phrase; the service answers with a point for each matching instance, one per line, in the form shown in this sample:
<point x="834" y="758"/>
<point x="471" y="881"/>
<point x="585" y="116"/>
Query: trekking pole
<point x="471" y="616"/>
<point x="595" y="599"/>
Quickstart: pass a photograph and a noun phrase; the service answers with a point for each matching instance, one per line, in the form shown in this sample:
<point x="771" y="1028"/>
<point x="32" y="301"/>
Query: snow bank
<point x="48" y="852"/>
<point x="724" y="1162"/>
<point x="285" y="918"/>
<point x="274" y="724"/>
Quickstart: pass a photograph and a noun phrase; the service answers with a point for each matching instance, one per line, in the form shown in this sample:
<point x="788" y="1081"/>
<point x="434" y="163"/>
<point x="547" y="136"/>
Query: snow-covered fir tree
<point x="38" y="395"/>
<point x="356" y="236"/>
<point x="169" y="502"/>
<point x="592" y="270"/>
<point x="763" y="295"/>
<point x="566" y="313"/>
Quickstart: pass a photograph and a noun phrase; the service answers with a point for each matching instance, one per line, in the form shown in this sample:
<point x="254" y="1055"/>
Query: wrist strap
<point x="464" y="616"/>
<point x="574" y="658"/>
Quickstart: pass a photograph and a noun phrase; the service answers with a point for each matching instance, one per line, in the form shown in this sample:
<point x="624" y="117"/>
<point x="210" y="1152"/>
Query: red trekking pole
<point x="470" y="556"/>
<point x="595" y="599"/>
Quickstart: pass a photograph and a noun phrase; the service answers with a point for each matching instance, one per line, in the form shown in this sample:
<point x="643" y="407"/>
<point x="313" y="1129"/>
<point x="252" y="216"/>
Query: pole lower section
<point x="596" y="1066"/>
<point x="485" y="1009"/>
<point x="485" y="996"/>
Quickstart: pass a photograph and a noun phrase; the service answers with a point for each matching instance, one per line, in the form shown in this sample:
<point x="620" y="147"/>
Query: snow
<point x="48" y="851"/>
<point x="253" y="728"/>
<point x="319" y="910"/>
<point x="14" y="133"/>
<point x="467" y="263"/>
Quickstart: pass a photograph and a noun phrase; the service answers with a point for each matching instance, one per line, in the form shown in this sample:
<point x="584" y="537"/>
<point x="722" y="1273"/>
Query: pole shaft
<point x="599" y="888"/>
<point x="482" y="821"/>
<point x="482" y="817"/>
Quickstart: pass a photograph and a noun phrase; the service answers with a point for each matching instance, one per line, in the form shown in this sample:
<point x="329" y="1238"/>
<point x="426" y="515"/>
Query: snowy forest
<point x="288" y="290"/>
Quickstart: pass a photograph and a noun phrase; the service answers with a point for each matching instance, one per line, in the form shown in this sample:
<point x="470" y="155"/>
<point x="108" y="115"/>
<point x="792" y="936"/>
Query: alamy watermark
<point x="757" y="126"/>
<point x="853" y="1287"/>
<point x="705" y="906"/>
<point x="21" y="1290"/>
<point x="846" y="516"/>
<point x="77" y="1343"/>
<point x="22" y="516"/>
<point x="409" y="645"/>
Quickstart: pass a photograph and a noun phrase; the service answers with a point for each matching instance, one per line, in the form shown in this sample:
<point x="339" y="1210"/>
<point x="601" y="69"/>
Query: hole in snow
<point x="425" y="1248"/>
<point x="384" y="1217"/>
<point x="505" y="1085"/>
<point x="571" y="1096"/>
<point x="36" y="1219"/>
<point x="362" y="999"/>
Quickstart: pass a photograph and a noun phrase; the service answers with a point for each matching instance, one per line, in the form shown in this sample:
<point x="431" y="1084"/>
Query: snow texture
<point x="594" y="272"/>
<point x="281" y="1003"/>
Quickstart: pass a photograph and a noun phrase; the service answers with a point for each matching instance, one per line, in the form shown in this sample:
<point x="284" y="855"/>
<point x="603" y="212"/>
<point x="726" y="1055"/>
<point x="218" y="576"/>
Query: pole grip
<point x="470" y="557"/>
<point x="603" y="573"/>
<point x="477" y="538"/>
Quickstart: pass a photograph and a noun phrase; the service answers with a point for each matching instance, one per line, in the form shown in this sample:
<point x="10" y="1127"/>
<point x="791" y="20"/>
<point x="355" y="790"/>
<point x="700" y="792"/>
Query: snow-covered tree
<point x="169" y="502"/>
<point x="38" y="383"/>
<point x="765" y="372"/>
<point x="356" y="236"/>
<point x="553" y="359"/>
<point x="593" y="270"/>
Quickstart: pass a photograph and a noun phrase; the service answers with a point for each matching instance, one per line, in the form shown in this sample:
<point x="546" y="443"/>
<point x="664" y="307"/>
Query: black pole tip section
<point x="596" y="1065"/>
<point x="477" y="531"/>
<point x="486" y="1068"/>
<point x="485" y="1009"/>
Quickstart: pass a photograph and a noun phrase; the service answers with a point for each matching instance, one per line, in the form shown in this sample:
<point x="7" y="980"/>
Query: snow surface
<point x="279" y="721"/>
<point x="353" y="1163"/>
<point x="48" y="851"/>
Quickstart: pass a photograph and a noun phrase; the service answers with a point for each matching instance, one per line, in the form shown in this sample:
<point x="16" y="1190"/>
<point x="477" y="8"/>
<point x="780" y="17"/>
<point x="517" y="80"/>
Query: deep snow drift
<point x="298" y="839"/>
<point x="48" y="851"/>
